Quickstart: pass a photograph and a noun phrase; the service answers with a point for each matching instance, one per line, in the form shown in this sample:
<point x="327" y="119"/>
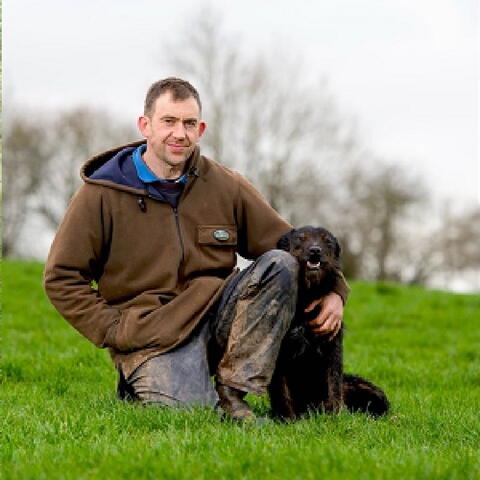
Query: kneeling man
<point x="143" y="263"/>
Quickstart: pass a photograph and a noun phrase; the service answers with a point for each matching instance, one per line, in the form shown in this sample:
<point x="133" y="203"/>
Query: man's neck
<point x="162" y="169"/>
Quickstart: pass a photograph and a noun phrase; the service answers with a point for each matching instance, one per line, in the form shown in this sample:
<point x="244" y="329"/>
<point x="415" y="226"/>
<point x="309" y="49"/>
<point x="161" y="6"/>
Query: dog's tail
<point x="360" y="395"/>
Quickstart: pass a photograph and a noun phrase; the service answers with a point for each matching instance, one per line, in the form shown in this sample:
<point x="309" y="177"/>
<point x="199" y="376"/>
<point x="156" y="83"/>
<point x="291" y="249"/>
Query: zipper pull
<point x="142" y="204"/>
<point x="193" y="172"/>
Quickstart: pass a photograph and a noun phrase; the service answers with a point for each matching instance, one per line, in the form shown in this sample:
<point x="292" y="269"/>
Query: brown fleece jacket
<point x="158" y="271"/>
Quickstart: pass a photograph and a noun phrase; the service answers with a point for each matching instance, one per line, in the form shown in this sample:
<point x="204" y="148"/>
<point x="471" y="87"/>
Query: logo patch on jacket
<point x="221" y="235"/>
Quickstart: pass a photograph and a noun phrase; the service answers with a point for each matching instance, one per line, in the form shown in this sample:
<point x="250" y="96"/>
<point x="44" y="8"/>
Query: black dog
<point x="309" y="373"/>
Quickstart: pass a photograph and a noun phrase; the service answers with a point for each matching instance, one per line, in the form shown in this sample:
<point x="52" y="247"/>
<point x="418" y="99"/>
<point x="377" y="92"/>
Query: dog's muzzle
<point x="314" y="260"/>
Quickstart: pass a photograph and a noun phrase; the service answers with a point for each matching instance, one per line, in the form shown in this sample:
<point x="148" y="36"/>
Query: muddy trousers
<point x="238" y="340"/>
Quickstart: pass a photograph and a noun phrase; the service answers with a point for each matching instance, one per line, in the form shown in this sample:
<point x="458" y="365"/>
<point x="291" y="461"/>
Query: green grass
<point x="60" y="418"/>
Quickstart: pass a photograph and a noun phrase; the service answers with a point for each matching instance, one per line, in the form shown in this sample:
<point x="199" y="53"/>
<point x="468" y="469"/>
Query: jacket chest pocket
<point x="217" y="235"/>
<point x="217" y="245"/>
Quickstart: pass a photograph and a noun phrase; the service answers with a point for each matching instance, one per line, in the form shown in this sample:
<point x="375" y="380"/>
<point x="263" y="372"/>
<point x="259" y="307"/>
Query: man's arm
<point x="74" y="261"/>
<point x="261" y="227"/>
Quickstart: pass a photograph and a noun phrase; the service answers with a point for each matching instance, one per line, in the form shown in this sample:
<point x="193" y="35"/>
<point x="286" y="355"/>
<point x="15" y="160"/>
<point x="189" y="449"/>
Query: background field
<point x="61" y="419"/>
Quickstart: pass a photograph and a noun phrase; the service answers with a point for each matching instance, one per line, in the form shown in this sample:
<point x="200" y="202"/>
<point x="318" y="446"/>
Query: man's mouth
<point x="177" y="148"/>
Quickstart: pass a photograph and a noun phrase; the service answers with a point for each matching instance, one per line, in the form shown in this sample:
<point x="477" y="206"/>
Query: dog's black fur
<point x="309" y="373"/>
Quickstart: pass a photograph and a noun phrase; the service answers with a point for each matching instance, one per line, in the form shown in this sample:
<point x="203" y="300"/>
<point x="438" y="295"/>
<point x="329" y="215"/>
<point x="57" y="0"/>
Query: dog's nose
<point x="315" y="250"/>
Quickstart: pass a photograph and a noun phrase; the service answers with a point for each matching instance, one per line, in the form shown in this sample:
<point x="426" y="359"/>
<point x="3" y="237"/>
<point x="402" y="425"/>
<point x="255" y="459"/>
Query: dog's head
<point x="317" y="252"/>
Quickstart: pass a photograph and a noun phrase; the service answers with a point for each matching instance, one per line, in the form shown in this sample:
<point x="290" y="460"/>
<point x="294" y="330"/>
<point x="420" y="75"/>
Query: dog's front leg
<point x="281" y="401"/>
<point x="334" y="373"/>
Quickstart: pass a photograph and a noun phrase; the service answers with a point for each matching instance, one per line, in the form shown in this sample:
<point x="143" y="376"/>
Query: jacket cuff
<point x="110" y="336"/>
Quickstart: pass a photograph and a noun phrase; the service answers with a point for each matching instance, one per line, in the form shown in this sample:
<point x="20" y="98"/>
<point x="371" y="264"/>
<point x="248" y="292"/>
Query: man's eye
<point x="168" y="121"/>
<point x="190" y="123"/>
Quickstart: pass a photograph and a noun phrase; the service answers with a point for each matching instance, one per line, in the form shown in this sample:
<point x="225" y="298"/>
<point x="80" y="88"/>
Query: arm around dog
<point x="260" y="228"/>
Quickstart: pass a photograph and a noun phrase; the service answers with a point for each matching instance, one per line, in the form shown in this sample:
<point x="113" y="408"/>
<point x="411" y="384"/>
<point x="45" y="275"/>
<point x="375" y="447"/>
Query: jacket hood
<point x="115" y="168"/>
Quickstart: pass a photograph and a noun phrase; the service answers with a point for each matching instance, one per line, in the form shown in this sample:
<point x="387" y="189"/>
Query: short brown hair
<point x="180" y="90"/>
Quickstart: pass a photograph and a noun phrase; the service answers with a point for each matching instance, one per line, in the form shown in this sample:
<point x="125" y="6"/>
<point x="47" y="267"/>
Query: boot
<point x="232" y="405"/>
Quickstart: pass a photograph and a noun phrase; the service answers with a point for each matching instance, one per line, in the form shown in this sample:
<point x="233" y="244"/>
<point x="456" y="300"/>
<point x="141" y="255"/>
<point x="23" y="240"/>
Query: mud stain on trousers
<point x="238" y="341"/>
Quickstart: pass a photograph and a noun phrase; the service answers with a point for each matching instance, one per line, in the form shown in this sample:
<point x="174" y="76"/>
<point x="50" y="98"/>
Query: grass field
<point x="60" y="418"/>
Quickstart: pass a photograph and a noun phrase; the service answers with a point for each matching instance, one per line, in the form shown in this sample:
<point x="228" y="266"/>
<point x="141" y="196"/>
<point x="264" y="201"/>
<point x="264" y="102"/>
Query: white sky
<point x="405" y="69"/>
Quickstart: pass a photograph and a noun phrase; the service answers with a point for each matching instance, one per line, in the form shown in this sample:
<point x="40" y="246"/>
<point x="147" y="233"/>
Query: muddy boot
<point x="232" y="405"/>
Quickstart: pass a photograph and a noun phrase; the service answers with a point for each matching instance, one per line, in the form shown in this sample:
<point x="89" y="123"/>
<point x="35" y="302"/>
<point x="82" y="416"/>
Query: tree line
<point x="286" y="134"/>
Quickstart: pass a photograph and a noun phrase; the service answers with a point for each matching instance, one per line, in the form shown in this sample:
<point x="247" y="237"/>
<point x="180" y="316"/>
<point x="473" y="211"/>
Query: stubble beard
<point x="175" y="164"/>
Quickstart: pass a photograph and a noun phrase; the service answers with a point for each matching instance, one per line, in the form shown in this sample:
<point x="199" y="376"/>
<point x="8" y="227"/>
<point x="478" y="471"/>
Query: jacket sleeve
<point x="260" y="227"/>
<point x="75" y="261"/>
<point x="341" y="287"/>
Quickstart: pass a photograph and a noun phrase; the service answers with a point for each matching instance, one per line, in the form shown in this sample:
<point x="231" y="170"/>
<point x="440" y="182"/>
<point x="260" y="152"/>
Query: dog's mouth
<point x="315" y="265"/>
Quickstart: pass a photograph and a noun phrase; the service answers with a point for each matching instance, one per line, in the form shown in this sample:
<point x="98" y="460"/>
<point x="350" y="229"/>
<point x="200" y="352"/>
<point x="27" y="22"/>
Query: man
<point x="156" y="228"/>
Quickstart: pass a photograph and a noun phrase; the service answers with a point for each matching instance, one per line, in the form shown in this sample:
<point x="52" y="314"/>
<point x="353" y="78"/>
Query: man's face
<point x="172" y="129"/>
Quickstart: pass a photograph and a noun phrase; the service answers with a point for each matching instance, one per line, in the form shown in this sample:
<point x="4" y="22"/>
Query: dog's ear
<point x="284" y="241"/>
<point x="338" y="248"/>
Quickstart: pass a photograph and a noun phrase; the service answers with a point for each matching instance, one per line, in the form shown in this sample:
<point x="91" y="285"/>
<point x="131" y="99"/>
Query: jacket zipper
<point x="194" y="173"/>
<point x="175" y="213"/>
<point x="179" y="232"/>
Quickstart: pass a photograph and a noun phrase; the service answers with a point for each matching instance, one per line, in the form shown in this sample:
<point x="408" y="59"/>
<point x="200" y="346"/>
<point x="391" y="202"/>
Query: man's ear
<point x="284" y="241"/>
<point x="201" y="128"/>
<point x="143" y="124"/>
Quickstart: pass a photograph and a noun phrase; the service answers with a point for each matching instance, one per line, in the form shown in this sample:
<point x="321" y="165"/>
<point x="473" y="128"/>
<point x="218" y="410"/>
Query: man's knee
<point x="180" y="377"/>
<point x="147" y="386"/>
<point x="171" y="389"/>
<point x="283" y="265"/>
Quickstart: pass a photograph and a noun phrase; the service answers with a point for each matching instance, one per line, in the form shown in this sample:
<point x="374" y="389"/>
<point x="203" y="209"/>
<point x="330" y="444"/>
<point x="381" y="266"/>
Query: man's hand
<point x="329" y="320"/>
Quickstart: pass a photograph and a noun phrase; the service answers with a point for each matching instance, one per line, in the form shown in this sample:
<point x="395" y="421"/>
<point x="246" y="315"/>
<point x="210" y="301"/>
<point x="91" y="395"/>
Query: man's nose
<point x="179" y="130"/>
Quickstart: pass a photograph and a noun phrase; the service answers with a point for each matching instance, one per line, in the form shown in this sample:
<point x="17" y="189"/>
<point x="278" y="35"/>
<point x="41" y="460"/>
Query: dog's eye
<point x="328" y="241"/>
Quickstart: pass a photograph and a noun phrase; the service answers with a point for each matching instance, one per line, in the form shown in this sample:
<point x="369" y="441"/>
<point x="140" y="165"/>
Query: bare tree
<point x="25" y="159"/>
<point x="459" y="236"/>
<point x="42" y="158"/>
<point x="369" y="211"/>
<point x="392" y="194"/>
<point x="76" y="135"/>
<point x="263" y="117"/>
<point x="448" y="249"/>
<point x="288" y="137"/>
<point x="213" y="63"/>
